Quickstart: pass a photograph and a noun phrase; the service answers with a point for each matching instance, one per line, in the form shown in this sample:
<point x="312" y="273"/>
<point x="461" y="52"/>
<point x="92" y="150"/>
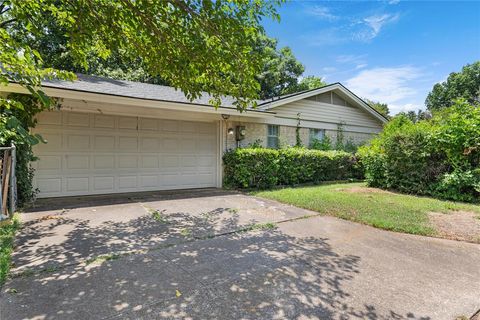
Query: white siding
<point x="323" y="112"/>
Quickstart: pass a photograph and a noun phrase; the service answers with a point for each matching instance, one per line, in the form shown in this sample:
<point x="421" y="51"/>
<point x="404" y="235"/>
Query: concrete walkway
<point x="210" y="254"/>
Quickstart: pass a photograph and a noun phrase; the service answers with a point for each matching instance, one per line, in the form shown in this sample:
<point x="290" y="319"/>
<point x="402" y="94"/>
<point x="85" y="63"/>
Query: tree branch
<point x="5" y="23"/>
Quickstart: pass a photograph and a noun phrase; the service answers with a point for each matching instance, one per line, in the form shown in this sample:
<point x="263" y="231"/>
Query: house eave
<point x="303" y="95"/>
<point x="135" y="101"/>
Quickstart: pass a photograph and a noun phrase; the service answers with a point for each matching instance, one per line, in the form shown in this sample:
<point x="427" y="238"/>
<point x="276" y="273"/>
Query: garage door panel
<point x="104" y="143"/>
<point x="148" y="124"/>
<point x="76" y="162"/>
<point x="122" y="154"/>
<point x="149" y="161"/>
<point x="206" y="145"/>
<point x="78" y="142"/>
<point x="149" y="144"/>
<point x="127" y="162"/>
<point x="148" y="181"/>
<point x="170" y="144"/>
<point x="54" y="142"/>
<point x="127" y="182"/>
<point x="103" y="162"/>
<point x="127" y="123"/>
<point x="168" y="125"/>
<point x="106" y="183"/>
<point x="188" y="127"/>
<point x="49" y="162"/>
<point x="49" y="185"/>
<point x="104" y="121"/>
<point x="127" y="143"/>
<point x="50" y="118"/>
<point x="77" y="184"/>
<point x="187" y="145"/>
<point x="75" y="119"/>
<point x="205" y="179"/>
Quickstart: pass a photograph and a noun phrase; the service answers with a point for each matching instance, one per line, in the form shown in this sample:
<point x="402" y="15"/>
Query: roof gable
<point x="336" y="92"/>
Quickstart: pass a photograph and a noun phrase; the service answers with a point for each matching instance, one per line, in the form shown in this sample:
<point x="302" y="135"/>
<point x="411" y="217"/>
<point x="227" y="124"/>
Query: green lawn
<point x="7" y="233"/>
<point x="375" y="207"/>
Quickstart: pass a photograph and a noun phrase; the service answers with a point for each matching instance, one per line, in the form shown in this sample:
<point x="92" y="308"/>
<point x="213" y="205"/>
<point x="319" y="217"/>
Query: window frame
<point x="313" y="134"/>
<point x="274" y="136"/>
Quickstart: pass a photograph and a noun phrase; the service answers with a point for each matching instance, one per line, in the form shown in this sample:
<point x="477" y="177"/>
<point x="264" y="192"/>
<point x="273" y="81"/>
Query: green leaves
<point x="464" y="84"/>
<point x="264" y="168"/>
<point x="195" y="46"/>
<point x="440" y="157"/>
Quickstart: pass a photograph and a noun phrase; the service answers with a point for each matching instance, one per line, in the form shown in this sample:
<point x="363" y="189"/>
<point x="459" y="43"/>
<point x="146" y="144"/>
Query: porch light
<point x="230" y="131"/>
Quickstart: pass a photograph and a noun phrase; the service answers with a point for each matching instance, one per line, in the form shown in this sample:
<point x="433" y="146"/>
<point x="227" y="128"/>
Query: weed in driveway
<point x="158" y="215"/>
<point x="259" y="226"/>
<point x="186" y="232"/>
<point x="102" y="258"/>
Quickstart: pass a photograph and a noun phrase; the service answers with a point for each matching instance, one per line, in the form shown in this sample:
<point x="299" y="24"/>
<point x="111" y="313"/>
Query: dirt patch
<point x="362" y="190"/>
<point x="458" y="225"/>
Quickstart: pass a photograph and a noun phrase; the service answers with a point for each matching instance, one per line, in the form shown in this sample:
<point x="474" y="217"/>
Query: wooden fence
<point x="8" y="183"/>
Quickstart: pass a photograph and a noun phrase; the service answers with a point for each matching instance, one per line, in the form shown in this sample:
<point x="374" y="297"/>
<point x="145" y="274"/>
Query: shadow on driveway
<point x="169" y="256"/>
<point x="255" y="275"/>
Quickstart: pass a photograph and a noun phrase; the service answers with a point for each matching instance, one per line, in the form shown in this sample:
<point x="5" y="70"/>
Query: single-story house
<point x="112" y="136"/>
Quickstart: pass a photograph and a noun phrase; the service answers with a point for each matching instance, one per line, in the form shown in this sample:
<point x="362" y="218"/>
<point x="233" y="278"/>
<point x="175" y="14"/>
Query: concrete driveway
<point x="212" y="254"/>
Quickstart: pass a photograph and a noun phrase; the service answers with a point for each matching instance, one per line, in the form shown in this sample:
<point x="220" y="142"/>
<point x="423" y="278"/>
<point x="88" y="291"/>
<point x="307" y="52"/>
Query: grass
<point x="355" y="202"/>
<point x="7" y="234"/>
<point x="259" y="226"/>
<point x="103" y="258"/>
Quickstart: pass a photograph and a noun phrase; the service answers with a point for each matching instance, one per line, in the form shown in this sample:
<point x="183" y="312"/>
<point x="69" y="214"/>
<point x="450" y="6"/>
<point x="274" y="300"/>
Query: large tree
<point x="464" y="84"/>
<point x="281" y="71"/>
<point x="194" y="45"/>
<point x="381" y="108"/>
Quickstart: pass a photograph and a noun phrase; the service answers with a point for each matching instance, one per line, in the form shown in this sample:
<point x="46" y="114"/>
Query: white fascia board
<point x="312" y="93"/>
<point x="113" y="99"/>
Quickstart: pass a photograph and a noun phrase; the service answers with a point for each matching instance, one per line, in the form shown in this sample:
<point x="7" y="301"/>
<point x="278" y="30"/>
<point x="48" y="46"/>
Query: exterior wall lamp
<point x="230" y="131"/>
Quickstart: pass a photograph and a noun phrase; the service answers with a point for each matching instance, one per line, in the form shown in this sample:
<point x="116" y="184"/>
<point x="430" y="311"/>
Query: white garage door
<point x="97" y="154"/>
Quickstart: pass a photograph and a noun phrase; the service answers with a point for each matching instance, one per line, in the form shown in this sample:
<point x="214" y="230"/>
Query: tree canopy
<point x="464" y="84"/>
<point x="381" y="108"/>
<point x="281" y="71"/>
<point x="193" y="45"/>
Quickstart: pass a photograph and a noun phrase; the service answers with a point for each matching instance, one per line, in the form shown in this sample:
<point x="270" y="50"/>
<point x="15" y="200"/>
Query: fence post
<point x="13" y="181"/>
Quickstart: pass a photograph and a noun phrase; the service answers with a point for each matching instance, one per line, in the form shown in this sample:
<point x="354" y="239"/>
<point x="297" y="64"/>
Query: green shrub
<point x="321" y="144"/>
<point x="257" y="167"/>
<point x="265" y="168"/>
<point x="439" y="157"/>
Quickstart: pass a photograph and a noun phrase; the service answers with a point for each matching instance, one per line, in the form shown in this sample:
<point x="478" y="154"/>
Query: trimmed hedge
<point x="264" y="168"/>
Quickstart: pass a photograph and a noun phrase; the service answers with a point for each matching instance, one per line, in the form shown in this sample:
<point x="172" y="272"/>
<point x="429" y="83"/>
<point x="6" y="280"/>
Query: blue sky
<point x="389" y="51"/>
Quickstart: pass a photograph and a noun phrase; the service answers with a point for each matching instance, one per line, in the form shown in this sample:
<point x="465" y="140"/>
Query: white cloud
<point x="394" y="86"/>
<point x="322" y="13"/>
<point x="373" y="25"/>
<point x="393" y="1"/>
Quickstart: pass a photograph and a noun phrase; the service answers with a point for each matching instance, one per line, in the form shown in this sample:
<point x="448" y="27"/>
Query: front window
<point x="317" y="134"/>
<point x="272" y="136"/>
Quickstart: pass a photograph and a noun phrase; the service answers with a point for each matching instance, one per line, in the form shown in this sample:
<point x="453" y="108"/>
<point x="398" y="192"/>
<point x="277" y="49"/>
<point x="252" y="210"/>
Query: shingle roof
<point x="93" y="84"/>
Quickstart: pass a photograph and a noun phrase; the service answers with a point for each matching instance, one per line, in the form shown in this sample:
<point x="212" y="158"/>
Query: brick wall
<point x="287" y="135"/>
<point x="253" y="131"/>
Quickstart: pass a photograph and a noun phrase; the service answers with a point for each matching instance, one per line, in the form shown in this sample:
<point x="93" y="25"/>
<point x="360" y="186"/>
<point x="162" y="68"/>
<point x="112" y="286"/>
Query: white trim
<point x="220" y="150"/>
<point x="336" y="86"/>
<point x="113" y="99"/>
